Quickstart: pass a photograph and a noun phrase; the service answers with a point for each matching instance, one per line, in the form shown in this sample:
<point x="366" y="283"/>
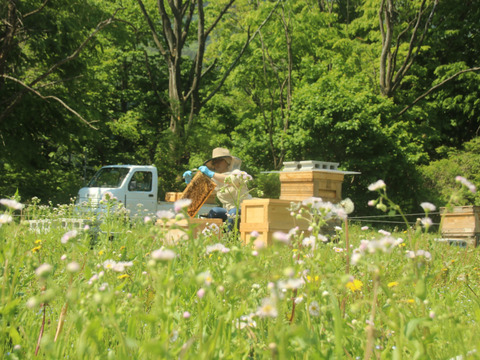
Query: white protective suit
<point x="232" y="193"/>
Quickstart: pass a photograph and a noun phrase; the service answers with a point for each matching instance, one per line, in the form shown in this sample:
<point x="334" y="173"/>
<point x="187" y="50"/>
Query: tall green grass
<point x="116" y="290"/>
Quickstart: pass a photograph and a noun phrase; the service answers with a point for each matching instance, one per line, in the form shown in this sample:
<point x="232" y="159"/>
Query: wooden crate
<point x="267" y="216"/>
<point x="462" y="223"/>
<point x="176" y="230"/>
<point x="300" y="185"/>
<point x="172" y="196"/>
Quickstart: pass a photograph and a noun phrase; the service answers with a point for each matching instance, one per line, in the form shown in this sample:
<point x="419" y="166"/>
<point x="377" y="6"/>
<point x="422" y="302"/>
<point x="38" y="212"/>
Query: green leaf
<point x="412" y="325"/>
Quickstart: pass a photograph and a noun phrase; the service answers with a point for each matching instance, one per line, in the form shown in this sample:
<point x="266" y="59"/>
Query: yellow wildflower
<point x="410" y="301"/>
<point x="312" y="279"/>
<point x="294" y="250"/>
<point x="122" y="247"/>
<point x="123" y="276"/>
<point x="392" y="284"/>
<point x="101" y="252"/>
<point x="38" y="241"/>
<point x="354" y="285"/>
<point x="36" y="248"/>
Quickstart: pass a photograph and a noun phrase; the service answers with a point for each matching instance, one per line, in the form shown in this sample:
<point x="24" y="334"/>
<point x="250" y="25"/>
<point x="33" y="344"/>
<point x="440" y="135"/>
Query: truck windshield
<point x="109" y="177"/>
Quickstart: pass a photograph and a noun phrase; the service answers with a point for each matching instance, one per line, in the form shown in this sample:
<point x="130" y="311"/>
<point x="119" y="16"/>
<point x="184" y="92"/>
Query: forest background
<point x="386" y="88"/>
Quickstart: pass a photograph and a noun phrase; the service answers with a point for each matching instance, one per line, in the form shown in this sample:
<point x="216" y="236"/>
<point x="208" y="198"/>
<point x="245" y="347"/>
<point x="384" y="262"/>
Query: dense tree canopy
<point x="385" y="87"/>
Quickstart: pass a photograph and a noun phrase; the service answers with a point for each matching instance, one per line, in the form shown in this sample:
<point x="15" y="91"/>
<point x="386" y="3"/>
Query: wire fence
<point x="381" y="218"/>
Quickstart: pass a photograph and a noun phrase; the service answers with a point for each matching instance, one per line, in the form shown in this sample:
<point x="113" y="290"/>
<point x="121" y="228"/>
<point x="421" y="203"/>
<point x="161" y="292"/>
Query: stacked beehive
<point x="461" y="224"/>
<point x="303" y="179"/>
<point x="299" y="180"/>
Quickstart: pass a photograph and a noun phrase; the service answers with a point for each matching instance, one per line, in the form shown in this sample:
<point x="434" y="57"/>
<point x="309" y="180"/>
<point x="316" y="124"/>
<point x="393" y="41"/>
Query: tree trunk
<point x="391" y="75"/>
<point x="7" y="37"/>
<point x="184" y="94"/>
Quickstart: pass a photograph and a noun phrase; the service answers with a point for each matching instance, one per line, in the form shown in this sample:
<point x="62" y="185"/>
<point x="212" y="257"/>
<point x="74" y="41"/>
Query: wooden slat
<point x="309" y="176"/>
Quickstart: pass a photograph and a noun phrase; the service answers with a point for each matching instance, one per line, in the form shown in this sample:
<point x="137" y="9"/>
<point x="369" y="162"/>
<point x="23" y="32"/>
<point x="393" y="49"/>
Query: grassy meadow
<point x="117" y="289"/>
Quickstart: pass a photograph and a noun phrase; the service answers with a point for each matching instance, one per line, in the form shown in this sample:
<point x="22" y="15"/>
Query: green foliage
<point x="439" y="176"/>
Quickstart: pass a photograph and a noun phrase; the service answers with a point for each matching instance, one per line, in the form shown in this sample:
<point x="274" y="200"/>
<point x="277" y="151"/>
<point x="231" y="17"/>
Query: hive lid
<point x="311" y="165"/>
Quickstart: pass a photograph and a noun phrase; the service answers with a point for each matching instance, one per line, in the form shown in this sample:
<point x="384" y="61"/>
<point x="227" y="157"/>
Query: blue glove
<point x="187" y="175"/>
<point x="205" y="170"/>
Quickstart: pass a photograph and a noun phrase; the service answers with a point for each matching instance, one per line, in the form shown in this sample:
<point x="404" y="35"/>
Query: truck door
<point x="140" y="197"/>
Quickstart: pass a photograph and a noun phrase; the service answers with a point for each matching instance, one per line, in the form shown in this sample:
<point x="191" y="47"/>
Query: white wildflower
<point x="217" y="247"/>
<point x="467" y="183"/>
<point x="428" y="206"/>
<point x="12" y="204"/>
<point x="181" y="204"/>
<point x="268" y="308"/>
<point x="314" y="308"/>
<point x="290" y="284"/>
<point x="5" y="219"/>
<point x="163" y="254"/>
<point x="68" y="235"/>
<point x="73" y="267"/>
<point x="378" y="185"/>
<point x="165" y="214"/>
<point x="281" y="237"/>
<point x="44" y="270"/>
<point x="309" y="241"/>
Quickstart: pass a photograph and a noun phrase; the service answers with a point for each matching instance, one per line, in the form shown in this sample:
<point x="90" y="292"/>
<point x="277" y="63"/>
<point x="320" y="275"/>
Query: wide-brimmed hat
<point x="219" y="153"/>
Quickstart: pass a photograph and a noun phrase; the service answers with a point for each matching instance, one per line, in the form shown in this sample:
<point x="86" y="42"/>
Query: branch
<point x="197" y="65"/>
<point x="397" y="48"/>
<point x="436" y="87"/>
<point x="36" y="10"/>
<point x="411" y="57"/>
<point x="201" y="38"/>
<point x="411" y="45"/>
<point x="237" y="59"/>
<point x="209" y="68"/>
<point x="188" y="21"/>
<point x="50" y="97"/>
<point x="384" y="17"/>
<point x="168" y="33"/>
<point x="74" y="55"/>
<point x="156" y="39"/>
<point x="225" y="9"/>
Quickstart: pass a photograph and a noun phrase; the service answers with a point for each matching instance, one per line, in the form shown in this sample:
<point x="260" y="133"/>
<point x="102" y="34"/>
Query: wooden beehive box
<point x="177" y="230"/>
<point x="462" y="223"/>
<point x="267" y="216"/>
<point x="300" y="185"/>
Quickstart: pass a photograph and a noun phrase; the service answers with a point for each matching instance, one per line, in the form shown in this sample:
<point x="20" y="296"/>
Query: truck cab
<point x="136" y="186"/>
